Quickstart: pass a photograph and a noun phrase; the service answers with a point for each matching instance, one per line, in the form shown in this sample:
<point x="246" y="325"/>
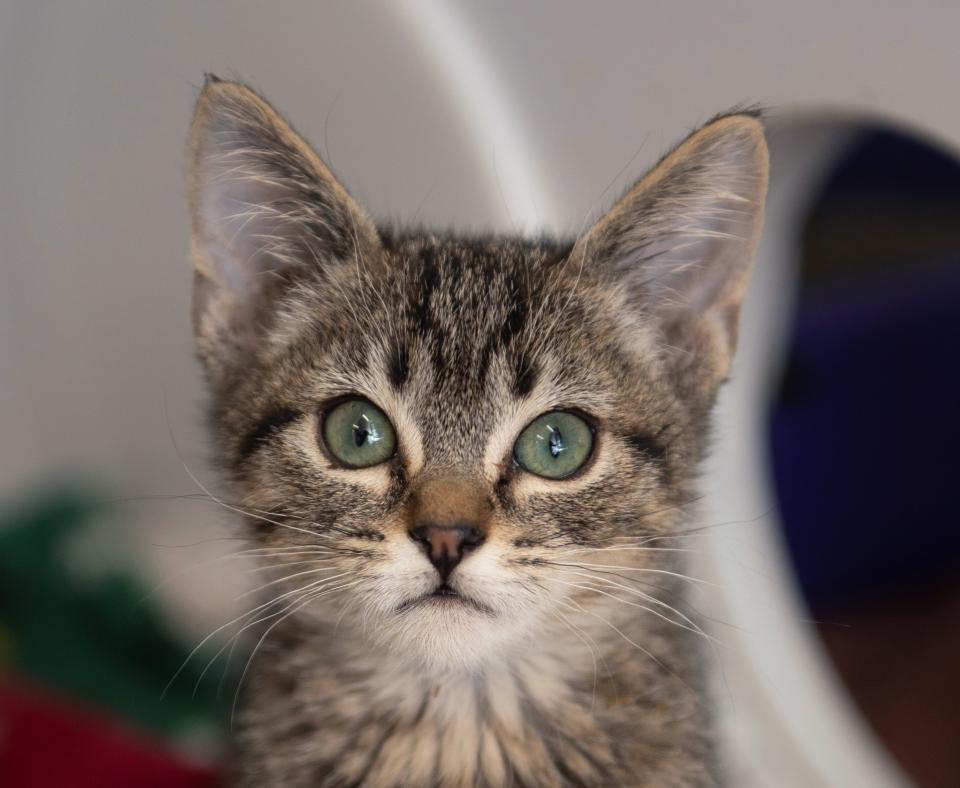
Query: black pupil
<point x="555" y="442"/>
<point x="360" y="431"/>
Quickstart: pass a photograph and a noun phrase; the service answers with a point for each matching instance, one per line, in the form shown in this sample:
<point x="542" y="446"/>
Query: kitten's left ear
<point x="680" y="244"/>
<point x="265" y="211"/>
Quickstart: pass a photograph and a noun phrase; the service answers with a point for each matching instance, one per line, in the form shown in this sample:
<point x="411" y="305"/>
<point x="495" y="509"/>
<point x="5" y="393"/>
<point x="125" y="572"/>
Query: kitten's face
<point x="370" y="389"/>
<point x="461" y="346"/>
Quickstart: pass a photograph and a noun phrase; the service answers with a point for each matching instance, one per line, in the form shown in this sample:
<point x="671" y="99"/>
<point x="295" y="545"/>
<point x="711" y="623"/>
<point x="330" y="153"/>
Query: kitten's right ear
<point x="264" y="212"/>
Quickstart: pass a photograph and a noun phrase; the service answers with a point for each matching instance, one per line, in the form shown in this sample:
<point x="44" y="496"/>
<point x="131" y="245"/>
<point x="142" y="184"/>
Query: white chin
<point x="447" y="633"/>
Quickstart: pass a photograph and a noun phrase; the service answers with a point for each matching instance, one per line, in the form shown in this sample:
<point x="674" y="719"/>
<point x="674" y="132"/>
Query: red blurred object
<point x="46" y="742"/>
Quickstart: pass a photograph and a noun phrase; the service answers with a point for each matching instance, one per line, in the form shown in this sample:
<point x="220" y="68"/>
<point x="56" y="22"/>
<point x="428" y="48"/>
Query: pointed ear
<point x="265" y="211"/>
<point x="680" y="244"/>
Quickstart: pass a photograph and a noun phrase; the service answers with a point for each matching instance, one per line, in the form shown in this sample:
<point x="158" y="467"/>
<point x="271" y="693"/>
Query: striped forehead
<point x="462" y="306"/>
<point x="463" y="336"/>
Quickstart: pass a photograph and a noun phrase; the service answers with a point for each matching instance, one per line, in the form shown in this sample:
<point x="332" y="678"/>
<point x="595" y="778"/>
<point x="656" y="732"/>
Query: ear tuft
<point x="265" y="211"/>
<point x="680" y="244"/>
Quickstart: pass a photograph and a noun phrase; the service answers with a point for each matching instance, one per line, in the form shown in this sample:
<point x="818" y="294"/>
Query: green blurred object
<point x="94" y="636"/>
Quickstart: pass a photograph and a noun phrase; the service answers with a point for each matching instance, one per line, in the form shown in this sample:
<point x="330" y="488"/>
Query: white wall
<point x="544" y="104"/>
<point x="95" y="97"/>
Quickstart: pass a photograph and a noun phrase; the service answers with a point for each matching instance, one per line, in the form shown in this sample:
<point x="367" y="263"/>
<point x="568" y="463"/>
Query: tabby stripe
<point x="265" y="429"/>
<point x="647" y="447"/>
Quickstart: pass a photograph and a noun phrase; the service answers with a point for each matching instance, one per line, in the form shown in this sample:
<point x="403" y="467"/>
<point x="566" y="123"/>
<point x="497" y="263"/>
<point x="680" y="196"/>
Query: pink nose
<point x="445" y="545"/>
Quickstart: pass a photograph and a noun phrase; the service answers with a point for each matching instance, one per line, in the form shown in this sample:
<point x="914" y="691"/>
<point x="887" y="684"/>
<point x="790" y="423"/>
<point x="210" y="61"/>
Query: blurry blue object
<point x="865" y="437"/>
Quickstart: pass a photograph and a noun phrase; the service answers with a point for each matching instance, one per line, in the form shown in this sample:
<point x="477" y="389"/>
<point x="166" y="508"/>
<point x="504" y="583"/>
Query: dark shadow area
<point x="865" y="440"/>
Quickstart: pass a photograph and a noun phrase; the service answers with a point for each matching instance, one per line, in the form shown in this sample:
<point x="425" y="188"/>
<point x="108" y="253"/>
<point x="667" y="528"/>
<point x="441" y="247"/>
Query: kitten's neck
<point x="553" y="708"/>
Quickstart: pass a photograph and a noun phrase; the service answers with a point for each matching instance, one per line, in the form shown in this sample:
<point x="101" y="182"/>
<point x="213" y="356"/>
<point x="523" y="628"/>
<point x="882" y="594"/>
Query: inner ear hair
<point x="265" y="210"/>
<point x="679" y="245"/>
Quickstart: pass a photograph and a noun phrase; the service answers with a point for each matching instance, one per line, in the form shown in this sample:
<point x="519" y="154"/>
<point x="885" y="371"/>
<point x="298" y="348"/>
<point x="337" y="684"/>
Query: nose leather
<point x="448" y="519"/>
<point x="446" y="546"/>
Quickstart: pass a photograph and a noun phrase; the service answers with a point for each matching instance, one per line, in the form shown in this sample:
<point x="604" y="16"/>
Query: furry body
<point x="562" y="652"/>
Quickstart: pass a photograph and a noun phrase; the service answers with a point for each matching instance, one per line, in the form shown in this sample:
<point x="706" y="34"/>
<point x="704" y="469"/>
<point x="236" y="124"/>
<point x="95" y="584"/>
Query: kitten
<point x="470" y="455"/>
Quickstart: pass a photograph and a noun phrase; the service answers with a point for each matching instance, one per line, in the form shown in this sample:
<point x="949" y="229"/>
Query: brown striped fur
<point x="567" y="658"/>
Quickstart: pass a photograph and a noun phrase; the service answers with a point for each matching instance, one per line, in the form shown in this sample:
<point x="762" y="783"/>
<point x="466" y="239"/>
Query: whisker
<point x="205" y="497"/>
<point x="234" y="639"/>
<point x="610" y="548"/>
<point x="652" y="600"/>
<point x="699" y="530"/>
<point x="233" y="621"/>
<point x="288" y="564"/>
<point x="310" y="598"/>
<point x="290" y="577"/>
<point x="713" y="642"/>
<point x="294" y="549"/>
<point x="252" y="553"/>
<point x="645" y="570"/>
<point x="240" y="510"/>
<point x="650" y="610"/>
<point x="628" y="640"/>
<point x="594" y="650"/>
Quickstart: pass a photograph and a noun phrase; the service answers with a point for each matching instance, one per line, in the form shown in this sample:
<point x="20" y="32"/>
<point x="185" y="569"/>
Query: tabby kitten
<point x="469" y="456"/>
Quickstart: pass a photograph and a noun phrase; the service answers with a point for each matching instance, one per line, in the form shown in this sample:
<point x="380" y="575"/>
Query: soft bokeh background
<point x="503" y="115"/>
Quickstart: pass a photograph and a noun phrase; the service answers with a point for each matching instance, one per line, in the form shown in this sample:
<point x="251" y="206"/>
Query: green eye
<point x="358" y="434"/>
<point x="554" y="445"/>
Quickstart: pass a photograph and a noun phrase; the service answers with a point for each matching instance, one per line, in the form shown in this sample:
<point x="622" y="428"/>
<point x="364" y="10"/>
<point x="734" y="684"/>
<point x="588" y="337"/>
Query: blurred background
<point x="833" y="535"/>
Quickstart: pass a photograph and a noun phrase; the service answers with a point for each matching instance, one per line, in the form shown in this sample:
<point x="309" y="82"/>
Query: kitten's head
<point x="441" y="426"/>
